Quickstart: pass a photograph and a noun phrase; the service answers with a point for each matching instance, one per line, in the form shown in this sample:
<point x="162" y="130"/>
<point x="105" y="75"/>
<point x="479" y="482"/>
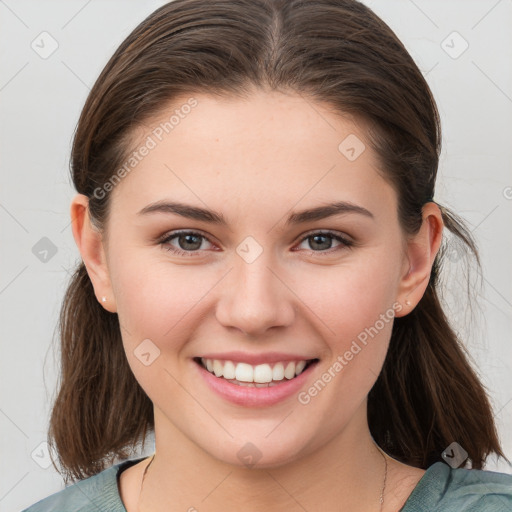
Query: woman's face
<point x="264" y="286"/>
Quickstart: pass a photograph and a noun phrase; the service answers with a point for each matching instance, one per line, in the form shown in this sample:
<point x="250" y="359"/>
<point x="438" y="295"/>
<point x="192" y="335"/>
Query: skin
<point x="255" y="161"/>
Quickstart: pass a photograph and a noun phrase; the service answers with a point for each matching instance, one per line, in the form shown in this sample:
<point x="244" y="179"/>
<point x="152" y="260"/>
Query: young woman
<point x="259" y="283"/>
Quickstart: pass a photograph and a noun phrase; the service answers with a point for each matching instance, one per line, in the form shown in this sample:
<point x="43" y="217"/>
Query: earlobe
<point x="89" y="242"/>
<point x="422" y="249"/>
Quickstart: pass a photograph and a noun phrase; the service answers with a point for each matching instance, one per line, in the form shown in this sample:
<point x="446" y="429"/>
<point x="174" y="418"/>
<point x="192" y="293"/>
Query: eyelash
<point x="180" y="252"/>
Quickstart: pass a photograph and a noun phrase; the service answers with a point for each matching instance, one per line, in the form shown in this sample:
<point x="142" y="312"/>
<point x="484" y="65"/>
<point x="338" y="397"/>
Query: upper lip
<point x="255" y="359"/>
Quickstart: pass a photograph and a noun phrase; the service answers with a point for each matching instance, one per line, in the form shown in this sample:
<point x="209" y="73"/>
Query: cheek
<point x="351" y="297"/>
<point x="156" y="306"/>
<point x="153" y="298"/>
<point x="355" y="304"/>
<point x="360" y="316"/>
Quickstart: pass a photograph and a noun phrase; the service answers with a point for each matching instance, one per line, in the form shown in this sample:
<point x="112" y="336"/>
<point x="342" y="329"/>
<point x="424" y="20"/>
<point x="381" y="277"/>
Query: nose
<point x="254" y="298"/>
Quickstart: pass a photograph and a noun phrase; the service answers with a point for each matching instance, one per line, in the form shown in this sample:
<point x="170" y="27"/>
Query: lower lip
<point x="253" y="396"/>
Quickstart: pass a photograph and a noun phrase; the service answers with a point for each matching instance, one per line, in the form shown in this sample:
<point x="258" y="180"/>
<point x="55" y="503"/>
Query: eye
<point x="188" y="241"/>
<point x="320" y="240"/>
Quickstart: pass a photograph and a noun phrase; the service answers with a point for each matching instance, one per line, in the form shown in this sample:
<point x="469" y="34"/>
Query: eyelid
<point x="169" y="234"/>
<point x="347" y="242"/>
<point x="166" y="238"/>
<point x="331" y="232"/>
<point x="175" y="232"/>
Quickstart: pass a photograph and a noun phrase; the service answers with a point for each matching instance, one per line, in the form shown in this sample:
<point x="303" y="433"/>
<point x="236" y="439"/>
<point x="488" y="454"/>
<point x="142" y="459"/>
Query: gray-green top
<point x="441" y="489"/>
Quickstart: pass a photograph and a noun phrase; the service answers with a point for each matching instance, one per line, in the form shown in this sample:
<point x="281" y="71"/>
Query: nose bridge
<point x="253" y="299"/>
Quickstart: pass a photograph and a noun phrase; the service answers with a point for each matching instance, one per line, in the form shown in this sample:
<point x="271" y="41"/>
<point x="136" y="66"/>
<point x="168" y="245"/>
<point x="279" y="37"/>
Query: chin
<point x="258" y="452"/>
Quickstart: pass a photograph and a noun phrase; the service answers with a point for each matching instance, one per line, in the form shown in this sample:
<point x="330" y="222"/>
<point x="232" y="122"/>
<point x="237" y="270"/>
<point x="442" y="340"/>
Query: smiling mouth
<point x="259" y="376"/>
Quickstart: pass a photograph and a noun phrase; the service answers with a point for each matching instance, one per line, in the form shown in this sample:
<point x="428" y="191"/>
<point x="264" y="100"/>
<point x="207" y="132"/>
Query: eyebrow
<point x="205" y="215"/>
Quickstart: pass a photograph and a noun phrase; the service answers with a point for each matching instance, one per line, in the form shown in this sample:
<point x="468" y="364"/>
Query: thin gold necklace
<point x="385" y="478"/>
<point x="381" y="494"/>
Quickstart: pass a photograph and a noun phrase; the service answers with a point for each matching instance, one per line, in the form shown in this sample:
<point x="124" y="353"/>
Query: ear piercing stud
<point x="407" y="302"/>
<point x="103" y="299"/>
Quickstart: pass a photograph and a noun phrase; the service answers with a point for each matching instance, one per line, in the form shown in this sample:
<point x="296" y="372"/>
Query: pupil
<point x="315" y="237"/>
<point x="187" y="237"/>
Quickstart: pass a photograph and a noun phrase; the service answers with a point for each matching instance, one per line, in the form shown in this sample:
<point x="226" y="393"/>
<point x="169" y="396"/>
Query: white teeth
<point x="289" y="371"/>
<point x="243" y="372"/>
<point x="218" y="368"/>
<point x="278" y="372"/>
<point x="299" y="367"/>
<point x="261" y="375"/>
<point x="229" y="370"/>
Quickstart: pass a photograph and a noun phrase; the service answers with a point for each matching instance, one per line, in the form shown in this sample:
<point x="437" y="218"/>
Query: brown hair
<point x="334" y="51"/>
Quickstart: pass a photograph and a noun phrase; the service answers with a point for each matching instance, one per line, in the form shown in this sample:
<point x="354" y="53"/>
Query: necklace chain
<point x="385" y="478"/>
<point x="381" y="494"/>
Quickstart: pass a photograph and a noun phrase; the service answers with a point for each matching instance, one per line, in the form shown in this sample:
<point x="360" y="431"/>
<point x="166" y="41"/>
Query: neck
<point x="347" y="472"/>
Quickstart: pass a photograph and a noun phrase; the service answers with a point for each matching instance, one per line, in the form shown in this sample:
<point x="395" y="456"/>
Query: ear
<point x="421" y="252"/>
<point x="90" y="244"/>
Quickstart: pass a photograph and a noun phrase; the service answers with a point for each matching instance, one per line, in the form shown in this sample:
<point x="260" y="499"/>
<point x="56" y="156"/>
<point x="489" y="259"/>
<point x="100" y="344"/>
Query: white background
<point x="40" y="103"/>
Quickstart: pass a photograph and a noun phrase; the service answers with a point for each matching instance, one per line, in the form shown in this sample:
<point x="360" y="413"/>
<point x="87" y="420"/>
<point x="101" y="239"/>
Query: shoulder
<point x="98" y="492"/>
<point x="446" y="489"/>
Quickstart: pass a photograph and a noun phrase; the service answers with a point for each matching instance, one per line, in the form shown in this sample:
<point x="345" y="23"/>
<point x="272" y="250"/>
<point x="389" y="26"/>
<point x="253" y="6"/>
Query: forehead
<point x="269" y="148"/>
